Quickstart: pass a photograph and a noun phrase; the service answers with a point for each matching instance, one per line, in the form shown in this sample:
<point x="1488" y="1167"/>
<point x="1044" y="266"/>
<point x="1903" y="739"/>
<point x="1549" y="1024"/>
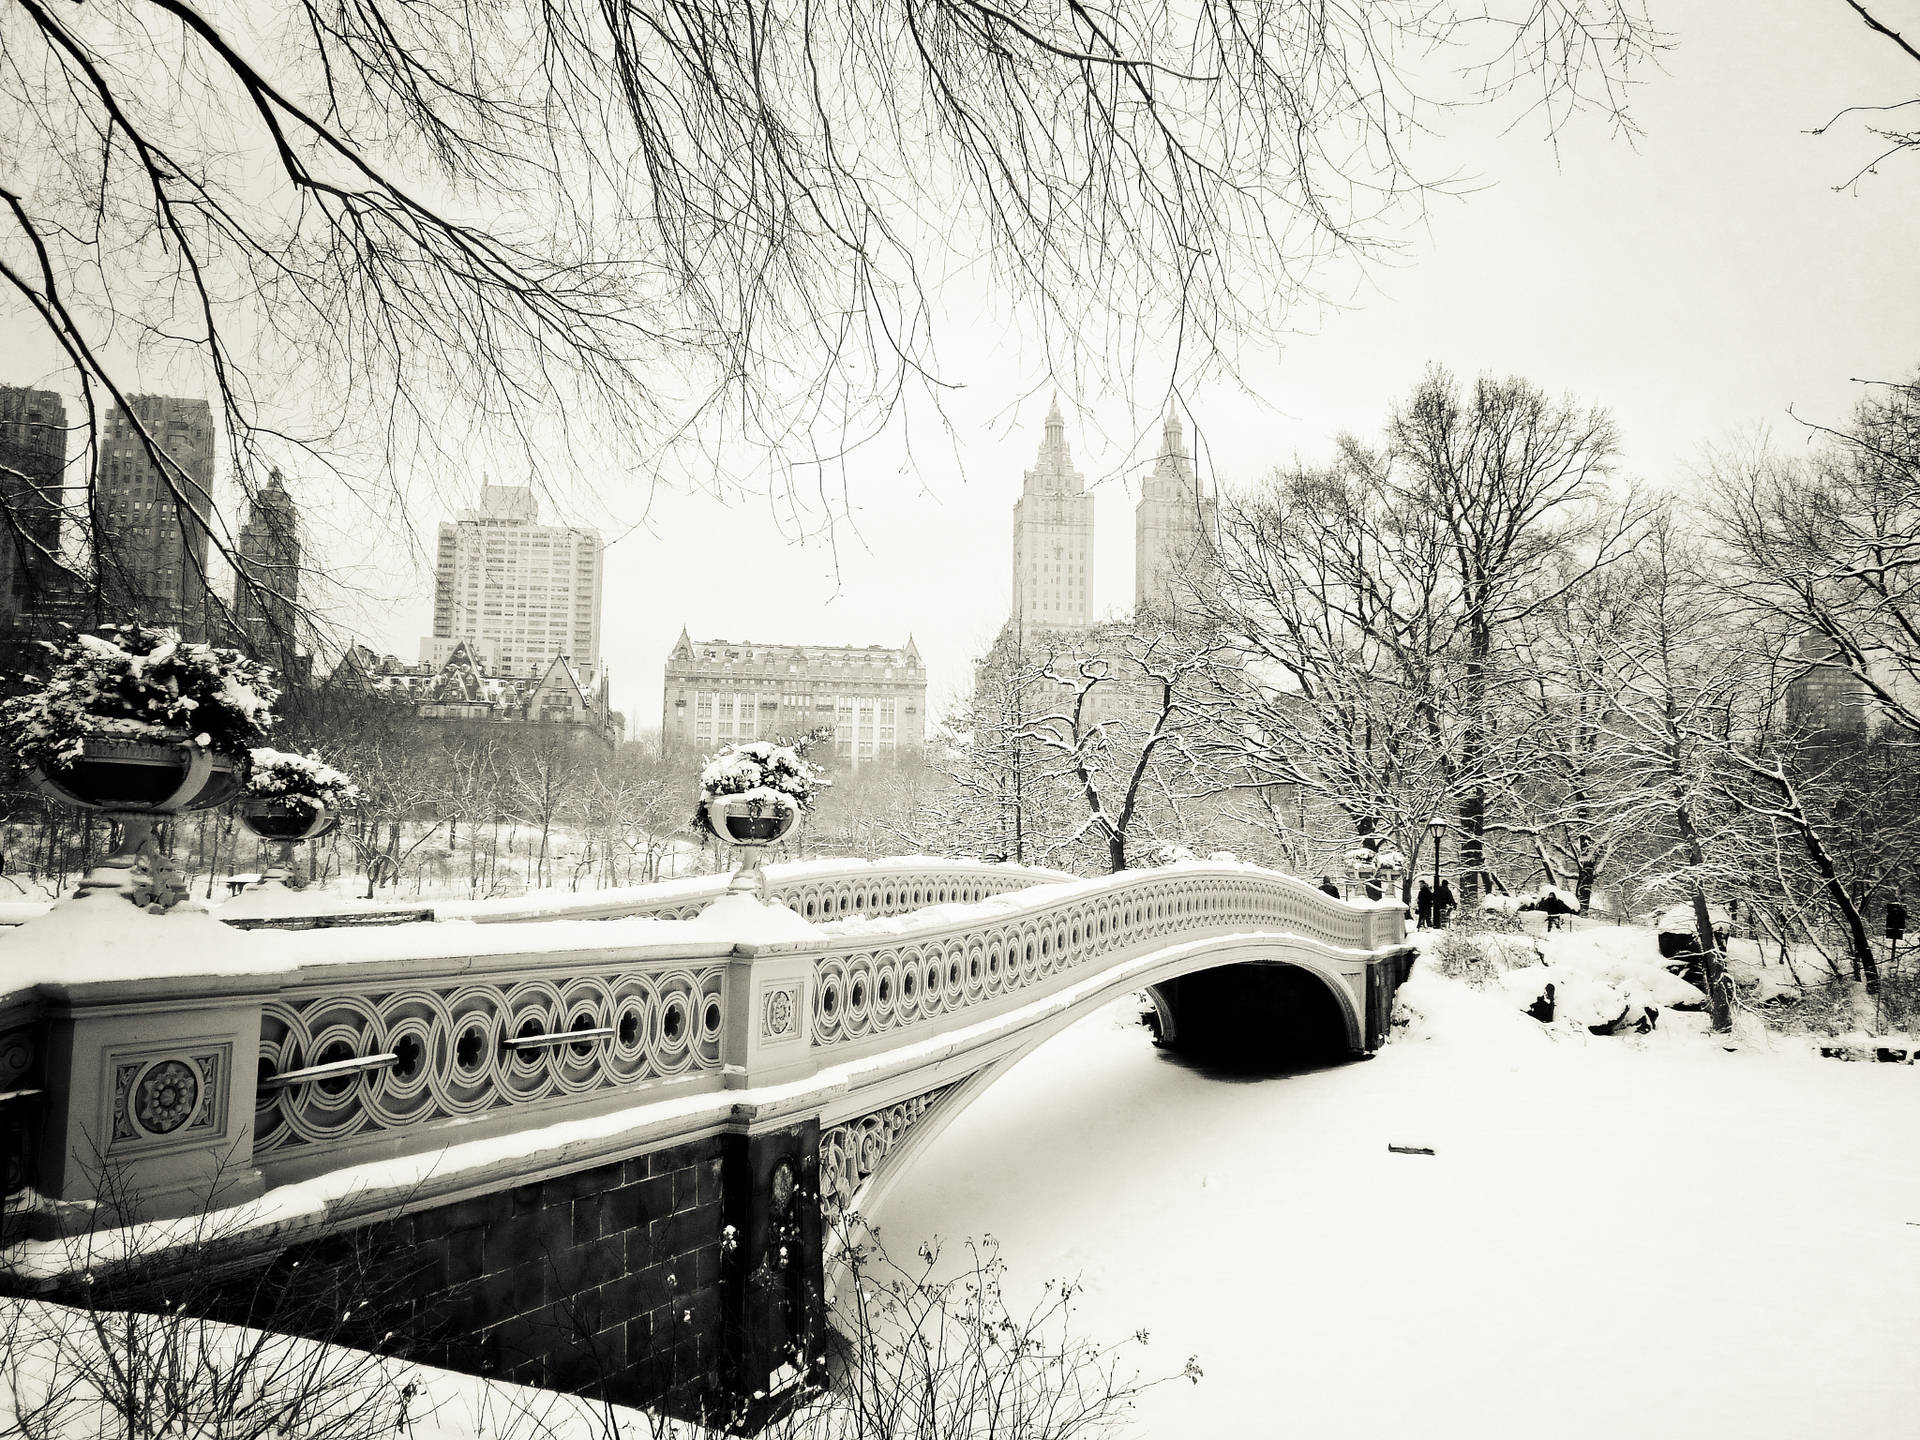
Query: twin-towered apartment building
<point x="874" y="699"/>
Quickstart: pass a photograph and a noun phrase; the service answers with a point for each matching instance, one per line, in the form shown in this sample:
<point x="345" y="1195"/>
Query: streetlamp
<point x="1436" y="827"/>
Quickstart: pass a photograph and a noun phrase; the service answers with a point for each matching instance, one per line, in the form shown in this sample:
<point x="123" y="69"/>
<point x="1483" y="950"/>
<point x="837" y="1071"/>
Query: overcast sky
<point x="1699" y="282"/>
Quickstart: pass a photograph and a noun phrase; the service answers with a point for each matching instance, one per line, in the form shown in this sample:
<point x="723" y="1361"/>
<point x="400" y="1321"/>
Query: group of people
<point x="1431" y="908"/>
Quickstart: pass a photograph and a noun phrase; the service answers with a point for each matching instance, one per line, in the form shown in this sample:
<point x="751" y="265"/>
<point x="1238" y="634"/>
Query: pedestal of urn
<point x="750" y="826"/>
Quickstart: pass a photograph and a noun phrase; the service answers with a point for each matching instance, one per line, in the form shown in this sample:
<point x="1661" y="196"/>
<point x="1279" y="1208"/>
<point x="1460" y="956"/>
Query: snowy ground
<point x="1616" y="1236"/>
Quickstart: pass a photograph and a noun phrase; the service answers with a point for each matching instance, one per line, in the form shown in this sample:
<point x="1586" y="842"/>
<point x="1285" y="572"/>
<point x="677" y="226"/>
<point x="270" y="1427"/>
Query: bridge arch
<point x="906" y="1125"/>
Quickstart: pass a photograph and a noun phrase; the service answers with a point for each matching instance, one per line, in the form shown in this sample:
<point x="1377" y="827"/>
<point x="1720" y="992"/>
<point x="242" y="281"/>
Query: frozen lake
<point x="1615" y="1237"/>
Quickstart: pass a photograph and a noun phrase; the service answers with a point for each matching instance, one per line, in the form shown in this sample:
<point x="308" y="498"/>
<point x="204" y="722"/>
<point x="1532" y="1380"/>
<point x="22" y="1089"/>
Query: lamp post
<point x="1436" y="827"/>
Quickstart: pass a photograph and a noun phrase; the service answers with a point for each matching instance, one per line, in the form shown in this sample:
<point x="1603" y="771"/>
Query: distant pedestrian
<point x="1327" y="887"/>
<point x="1423" y="905"/>
<point x="1443" y="903"/>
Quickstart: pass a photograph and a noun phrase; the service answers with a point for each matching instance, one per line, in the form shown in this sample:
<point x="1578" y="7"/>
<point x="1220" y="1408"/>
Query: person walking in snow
<point x="1327" y="887"/>
<point x="1423" y="906"/>
<point x="1443" y="903"/>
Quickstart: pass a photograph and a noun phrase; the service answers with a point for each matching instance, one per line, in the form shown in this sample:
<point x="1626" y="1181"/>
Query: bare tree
<point x="1115" y="722"/>
<point x="1829" y="546"/>
<point x="546" y="777"/>
<point x="1334" y="642"/>
<point x="383" y="239"/>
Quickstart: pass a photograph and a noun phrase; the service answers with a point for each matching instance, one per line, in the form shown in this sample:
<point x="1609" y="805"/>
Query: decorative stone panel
<point x="166" y="1098"/>
<point x="853" y="1151"/>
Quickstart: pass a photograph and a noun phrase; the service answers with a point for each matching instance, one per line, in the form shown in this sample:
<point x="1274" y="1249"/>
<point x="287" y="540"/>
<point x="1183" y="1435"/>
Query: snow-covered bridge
<point x="589" y="1135"/>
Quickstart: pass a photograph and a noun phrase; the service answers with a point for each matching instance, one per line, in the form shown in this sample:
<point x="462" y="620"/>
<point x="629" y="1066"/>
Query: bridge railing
<point x="925" y="978"/>
<point x="812" y="889"/>
<point x="362" y="1045"/>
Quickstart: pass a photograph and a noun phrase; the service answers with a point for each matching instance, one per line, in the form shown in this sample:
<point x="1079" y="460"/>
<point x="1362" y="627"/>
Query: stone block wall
<point x="605" y="1281"/>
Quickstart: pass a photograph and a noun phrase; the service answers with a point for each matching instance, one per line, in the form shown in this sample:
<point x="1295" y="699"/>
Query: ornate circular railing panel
<point x="436" y="1052"/>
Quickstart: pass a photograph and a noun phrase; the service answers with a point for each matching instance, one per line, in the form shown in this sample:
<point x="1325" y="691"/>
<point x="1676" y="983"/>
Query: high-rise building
<point x="517" y="592"/>
<point x="719" y="692"/>
<point x="33" y="455"/>
<point x="1827" y="700"/>
<point x="1053" y="541"/>
<point x="266" y="586"/>
<point x="150" y="514"/>
<point x="1172" y="525"/>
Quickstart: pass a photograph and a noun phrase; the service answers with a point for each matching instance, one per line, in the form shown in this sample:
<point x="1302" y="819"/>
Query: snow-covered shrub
<point x="1361" y="858"/>
<point x="284" y="775"/>
<point x="771" y="777"/>
<point x="1173" y="855"/>
<point x="141" y="683"/>
<point x="1480" y="954"/>
<point x="1390" y="859"/>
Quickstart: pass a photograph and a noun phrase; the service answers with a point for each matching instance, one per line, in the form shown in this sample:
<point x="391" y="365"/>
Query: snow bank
<point x="1601" y="976"/>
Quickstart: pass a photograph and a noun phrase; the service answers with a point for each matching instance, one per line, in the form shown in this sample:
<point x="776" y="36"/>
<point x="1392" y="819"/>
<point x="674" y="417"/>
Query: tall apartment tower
<point x="33" y="456"/>
<point x="519" y="593"/>
<point x="1827" y="700"/>
<point x="266" y="591"/>
<point x="150" y="518"/>
<point x="1053" y="540"/>
<point x="1172" y="524"/>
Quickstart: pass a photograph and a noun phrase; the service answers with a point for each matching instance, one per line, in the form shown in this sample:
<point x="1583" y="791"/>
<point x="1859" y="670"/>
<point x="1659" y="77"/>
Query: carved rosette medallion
<point x="165" y="1097"/>
<point x="777" y="1014"/>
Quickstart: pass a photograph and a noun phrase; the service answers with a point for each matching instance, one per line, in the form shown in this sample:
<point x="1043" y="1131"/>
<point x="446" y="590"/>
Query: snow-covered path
<point x="1615" y="1238"/>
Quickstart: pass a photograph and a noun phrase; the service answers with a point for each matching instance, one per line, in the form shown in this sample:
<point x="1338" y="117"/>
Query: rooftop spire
<point x="1172" y="439"/>
<point x="1053" y="468"/>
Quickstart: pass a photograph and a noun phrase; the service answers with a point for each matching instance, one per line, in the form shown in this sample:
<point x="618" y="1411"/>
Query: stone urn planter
<point x="136" y="783"/>
<point x="750" y="825"/>
<point x="290" y="799"/>
<point x="285" y="823"/>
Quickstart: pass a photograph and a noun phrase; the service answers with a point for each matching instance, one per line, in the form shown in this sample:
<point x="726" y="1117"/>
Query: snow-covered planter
<point x="752" y="793"/>
<point x="294" y="797"/>
<point x="1390" y="861"/>
<point x="136" y="719"/>
<point x="1361" y="859"/>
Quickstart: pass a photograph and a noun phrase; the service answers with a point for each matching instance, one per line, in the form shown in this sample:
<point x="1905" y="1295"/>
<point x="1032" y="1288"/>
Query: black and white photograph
<point x="959" y="719"/>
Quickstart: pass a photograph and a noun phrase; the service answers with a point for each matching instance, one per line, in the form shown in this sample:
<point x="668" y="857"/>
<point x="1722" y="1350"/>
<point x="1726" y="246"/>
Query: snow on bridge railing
<point x="191" y="1050"/>
<point x="822" y="889"/>
<point x="813" y="889"/>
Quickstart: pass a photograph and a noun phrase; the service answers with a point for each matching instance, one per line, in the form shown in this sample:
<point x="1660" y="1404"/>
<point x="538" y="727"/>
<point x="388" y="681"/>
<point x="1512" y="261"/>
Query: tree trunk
<point x="1719" y="985"/>
<point x="1473" y="757"/>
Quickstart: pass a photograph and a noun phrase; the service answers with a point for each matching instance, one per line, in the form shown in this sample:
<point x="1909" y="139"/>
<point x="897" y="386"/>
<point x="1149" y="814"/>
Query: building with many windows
<point x="1827" y="701"/>
<point x="1173" y="525"/>
<point x="518" y="593"/>
<point x="151" y="512"/>
<point x="1053" y="540"/>
<point x="721" y="691"/>
<point x="266" y="585"/>
<point x="33" y="457"/>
